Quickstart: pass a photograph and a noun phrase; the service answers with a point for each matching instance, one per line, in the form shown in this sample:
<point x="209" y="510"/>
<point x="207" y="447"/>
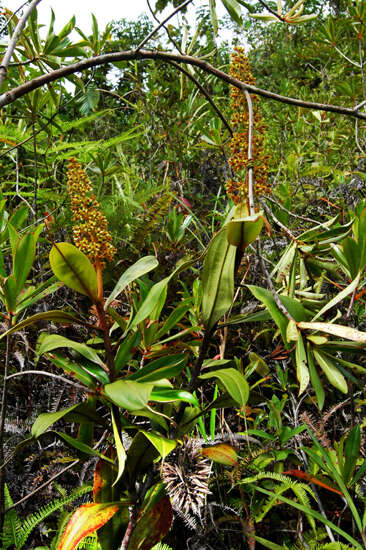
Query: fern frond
<point x="12" y="523"/>
<point x="153" y="218"/>
<point x="35" y="519"/>
<point x="299" y="489"/>
<point x="162" y="546"/>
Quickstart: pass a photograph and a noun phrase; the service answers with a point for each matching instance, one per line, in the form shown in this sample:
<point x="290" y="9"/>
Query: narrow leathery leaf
<point x="343" y="294"/>
<point x="233" y="8"/>
<point x="128" y="394"/>
<point x="334" y="376"/>
<point x="86" y="519"/>
<point x="234" y="382"/>
<point x="164" y="367"/>
<point x="348" y="333"/>
<point x="155" y="418"/>
<point x="260" y="365"/>
<point x="73" y="267"/>
<point x="352" y="453"/>
<point x="310" y="511"/>
<point x="49" y="342"/>
<point x="72" y="368"/>
<point x="223" y="453"/>
<point x="267" y="299"/>
<point x="315" y="379"/>
<point x="292" y="334"/>
<point x="82" y="447"/>
<point x="45" y="420"/>
<point x="55" y="315"/>
<point x="302" y="370"/>
<point x="267" y="543"/>
<point x="352" y="255"/>
<point x="317" y="340"/>
<point x="125" y="350"/>
<point x="9" y="289"/>
<point x="141" y="267"/>
<point x="23" y="259"/>
<point x="162" y="395"/>
<point x="173" y="319"/>
<point x="154" y="520"/>
<point x="217" y="279"/>
<point x="213" y="16"/>
<point x="121" y="453"/>
<point x="163" y="445"/>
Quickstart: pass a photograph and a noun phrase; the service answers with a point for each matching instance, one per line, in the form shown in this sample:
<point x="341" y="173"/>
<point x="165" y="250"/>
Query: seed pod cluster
<point x="90" y="231"/>
<point x="237" y="188"/>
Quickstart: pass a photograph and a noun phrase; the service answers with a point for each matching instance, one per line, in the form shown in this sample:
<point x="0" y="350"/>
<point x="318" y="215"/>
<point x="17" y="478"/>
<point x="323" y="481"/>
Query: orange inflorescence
<point x="238" y="189"/>
<point x="90" y="231"/>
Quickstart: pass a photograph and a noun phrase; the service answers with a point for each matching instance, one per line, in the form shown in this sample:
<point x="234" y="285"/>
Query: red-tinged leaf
<point x="311" y="479"/>
<point x="85" y="520"/>
<point x="222" y="453"/>
<point x="154" y="521"/>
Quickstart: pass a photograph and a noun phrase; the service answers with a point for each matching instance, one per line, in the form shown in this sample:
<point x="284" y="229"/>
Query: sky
<point x="104" y="10"/>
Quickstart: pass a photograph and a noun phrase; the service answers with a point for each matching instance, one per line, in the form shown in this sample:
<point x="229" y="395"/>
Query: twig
<point x="14" y="39"/>
<point x="11" y="95"/>
<point x="154" y="31"/>
<point x="347" y="58"/>
<point x="164" y="27"/>
<point x="45" y="373"/>
<point x="2" y="29"/>
<point x="291" y="213"/>
<point x="279" y="17"/>
<point x="277" y="222"/>
<point x="205" y="93"/>
<point x="279" y="304"/>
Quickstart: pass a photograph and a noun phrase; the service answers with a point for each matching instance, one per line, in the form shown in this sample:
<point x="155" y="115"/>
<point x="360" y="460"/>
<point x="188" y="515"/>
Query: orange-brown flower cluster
<point x="238" y="189"/>
<point x="90" y="231"/>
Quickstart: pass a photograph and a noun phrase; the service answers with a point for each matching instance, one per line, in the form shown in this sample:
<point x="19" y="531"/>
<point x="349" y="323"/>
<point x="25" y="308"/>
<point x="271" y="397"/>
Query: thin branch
<point x="161" y="24"/>
<point x="205" y="93"/>
<point x="45" y="373"/>
<point x="277" y="222"/>
<point x="250" y="154"/>
<point x="14" y="39"/>
<point x="310" y="220"/>
<point x="276" y="298"/>
<point x="347" y="58"/>
<point x="2" y="29"/>
<point x="11" y="95"/>
<point x="277" y="15"/>
<point x="164" y="27"/>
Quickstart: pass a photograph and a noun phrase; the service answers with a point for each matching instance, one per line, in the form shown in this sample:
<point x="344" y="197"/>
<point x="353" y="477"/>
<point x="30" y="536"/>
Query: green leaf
<point x="24" y="258"/>
<point x="351" y="252"/>
<point x="82" y="447"/>
<point x="217" y="279"/>
<point x="267" y="299"/>
<point x="53" y="315"/>
<point x="315" y="380"/>
<point x="302" y="370"/>
<point x="49" y="342"/>
<point x="45" y="420"/>
<point x="9" y="289"/>
<point x="121" y="453"/>
<point x="234" y="382"/>
<point x="124" y="353"/>
<point x="334" y="376"/>
<point x="345" y="292"/>
<point x="163" y="445"/>
<point x="73" y="267"/>
<point x="164" y="367"/>
<point x="234" y="10"/>
<point x="352" y="453"/>
<point x="73" y="368"/>
<point x="128" y="394"/>
<point x="162" y="395"/>
<point x="141" y="267"/>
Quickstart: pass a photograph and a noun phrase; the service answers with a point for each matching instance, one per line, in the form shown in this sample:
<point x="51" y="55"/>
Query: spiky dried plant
<point x="186" y="477"/>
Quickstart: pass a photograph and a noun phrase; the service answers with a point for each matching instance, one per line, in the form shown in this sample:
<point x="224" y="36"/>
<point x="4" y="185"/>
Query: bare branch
<point x="45" y="373"/>
<point x="14" y="39"/>
<point x="11" y="95"/>
<point x="250" y="154"/>
<point x="161" y="24"/>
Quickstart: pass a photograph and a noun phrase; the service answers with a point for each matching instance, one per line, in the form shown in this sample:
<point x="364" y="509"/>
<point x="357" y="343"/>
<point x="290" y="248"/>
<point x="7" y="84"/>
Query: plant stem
<point x="2" y="425"/>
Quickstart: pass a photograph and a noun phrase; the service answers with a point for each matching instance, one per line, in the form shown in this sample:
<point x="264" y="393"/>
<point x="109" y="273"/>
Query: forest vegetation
<point x="182" y="278"/>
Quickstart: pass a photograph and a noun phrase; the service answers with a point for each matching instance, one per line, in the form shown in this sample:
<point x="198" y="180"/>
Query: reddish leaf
<point x="311" y="479"/>
<point x="154" y="520"/>
<point x="222" y="453"/>
<point x="85" y="520"/>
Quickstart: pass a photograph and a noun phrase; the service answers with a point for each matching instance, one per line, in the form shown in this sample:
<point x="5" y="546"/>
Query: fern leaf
<point x="35" y="519"/>
<point x="11" y="524"/>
